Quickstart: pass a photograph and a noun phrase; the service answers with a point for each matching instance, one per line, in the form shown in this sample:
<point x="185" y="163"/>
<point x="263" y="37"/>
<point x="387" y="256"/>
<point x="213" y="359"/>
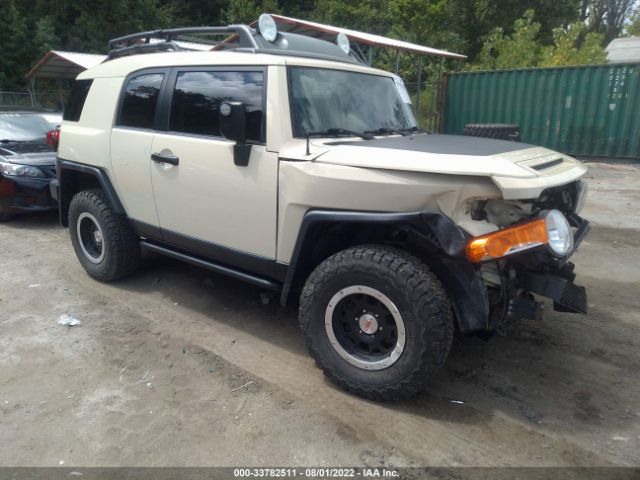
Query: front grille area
<point x="49" y="171"/>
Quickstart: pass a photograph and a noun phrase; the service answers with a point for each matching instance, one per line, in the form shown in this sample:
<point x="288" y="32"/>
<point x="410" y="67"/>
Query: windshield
<point x="323" y="99"/>
<point x="23" y="126"/>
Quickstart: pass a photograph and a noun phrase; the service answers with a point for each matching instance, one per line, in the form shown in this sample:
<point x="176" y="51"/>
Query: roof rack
<point x="297" y="38"/>
<point x="142" y="42"/>
<point x="240" y="38"/>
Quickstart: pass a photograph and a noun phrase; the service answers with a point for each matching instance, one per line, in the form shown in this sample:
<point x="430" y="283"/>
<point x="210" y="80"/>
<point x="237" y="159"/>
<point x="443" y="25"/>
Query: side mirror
<point x="233" y="126"/>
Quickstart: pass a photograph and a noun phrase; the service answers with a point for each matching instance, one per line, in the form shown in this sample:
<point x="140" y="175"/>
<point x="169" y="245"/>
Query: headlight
<point x="560" y="236"/>
<point x="551" y="229"/>
<point x="17" y="170"/>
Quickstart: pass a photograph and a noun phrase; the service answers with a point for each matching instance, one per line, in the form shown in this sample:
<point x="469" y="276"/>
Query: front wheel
<point x="104" y="242"/>
<point x="377" y="321"/>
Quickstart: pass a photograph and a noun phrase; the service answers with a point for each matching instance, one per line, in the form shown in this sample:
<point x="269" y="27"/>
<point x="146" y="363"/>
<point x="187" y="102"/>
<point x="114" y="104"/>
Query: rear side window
<point x="77" y="97"/>
<point x="197" y="97"/>
<point x="139" y="101"/>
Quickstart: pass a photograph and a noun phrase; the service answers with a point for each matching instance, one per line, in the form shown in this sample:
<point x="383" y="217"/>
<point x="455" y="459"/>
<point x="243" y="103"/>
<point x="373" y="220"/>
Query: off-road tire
<point x="122" y="248"/>
<point x="421" y="300"/>
<point x="499" y="131"/>
<point x="5" y="217"/>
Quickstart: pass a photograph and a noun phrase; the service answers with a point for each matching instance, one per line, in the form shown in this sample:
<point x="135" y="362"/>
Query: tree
<point x="246" y="11"/>
<point x="570" y="49"/>
<point x="633" y="30"/>
<point x="46" y="38"/>
<point x="518" y="50"/>
<point x="14" y="54"/>
<point x="474" y="20"/>
<point x="608" y="16"/>
<point x="521" y="49"/>
<point x="368" y="15"/>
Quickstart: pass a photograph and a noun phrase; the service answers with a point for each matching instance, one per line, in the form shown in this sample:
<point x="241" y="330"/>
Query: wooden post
<point x="419" y="88"/>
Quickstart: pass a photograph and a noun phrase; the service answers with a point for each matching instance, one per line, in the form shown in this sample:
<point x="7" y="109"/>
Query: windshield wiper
<point x="388" y="131"/>
<point x="337" y="132"/>
<point x="413" y="130"/>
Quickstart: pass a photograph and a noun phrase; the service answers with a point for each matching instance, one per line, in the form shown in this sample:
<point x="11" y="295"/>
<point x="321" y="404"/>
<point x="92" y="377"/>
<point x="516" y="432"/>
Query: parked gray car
<point x="27" y="163"/>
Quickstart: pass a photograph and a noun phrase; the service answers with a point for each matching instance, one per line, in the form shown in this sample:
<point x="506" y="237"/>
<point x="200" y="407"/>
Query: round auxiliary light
<point x="225" y="109"/>
<point x="343" y="43"/>
<point x="268" y="28"/>
<point x="559" y="233"/>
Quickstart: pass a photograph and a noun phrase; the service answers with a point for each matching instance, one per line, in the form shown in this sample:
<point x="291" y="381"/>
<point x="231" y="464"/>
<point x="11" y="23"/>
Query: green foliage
<point x="493" y="33"/>
<point x="45" y="37"/>
<point x="246" y="11"/>
<point x="14" y="41"/>
<point x="518" y="50"/>
<point x="572" y="45"/>
<point x="474" y="20"/>
<point x="633" y="29"/>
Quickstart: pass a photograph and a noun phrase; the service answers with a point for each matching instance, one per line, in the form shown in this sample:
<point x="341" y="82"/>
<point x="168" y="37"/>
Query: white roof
<point x="364" y="38"/>
<point x="624" y="50"/>
<point x="124" y="65"/>
<point x="59" y="64"/>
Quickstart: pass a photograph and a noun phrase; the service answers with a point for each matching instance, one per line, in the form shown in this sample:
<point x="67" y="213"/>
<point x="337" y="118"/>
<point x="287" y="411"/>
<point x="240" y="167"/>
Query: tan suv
<point x="283" y="161"/>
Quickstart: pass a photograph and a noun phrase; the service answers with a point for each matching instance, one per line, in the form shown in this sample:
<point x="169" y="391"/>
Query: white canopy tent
<point x="57" y="64"/>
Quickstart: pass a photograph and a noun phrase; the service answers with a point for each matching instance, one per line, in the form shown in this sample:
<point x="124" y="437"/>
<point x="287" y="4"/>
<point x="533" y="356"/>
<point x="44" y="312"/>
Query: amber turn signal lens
<point x="507" y="241"/>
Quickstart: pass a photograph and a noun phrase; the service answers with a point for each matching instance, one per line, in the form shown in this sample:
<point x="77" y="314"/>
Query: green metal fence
<point x="591" y="110"/>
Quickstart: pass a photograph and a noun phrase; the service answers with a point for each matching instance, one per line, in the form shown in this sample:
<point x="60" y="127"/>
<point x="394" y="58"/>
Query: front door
<point x="131" y="141"/>
<point x="206" y="203"/>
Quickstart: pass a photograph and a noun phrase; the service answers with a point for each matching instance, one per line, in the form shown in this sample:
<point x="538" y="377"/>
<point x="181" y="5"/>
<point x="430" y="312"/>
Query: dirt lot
<point x="177" y="366"/>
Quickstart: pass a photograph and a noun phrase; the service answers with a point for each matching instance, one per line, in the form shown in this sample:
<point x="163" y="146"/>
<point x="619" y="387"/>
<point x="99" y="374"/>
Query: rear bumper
<point x="23" y="195"/>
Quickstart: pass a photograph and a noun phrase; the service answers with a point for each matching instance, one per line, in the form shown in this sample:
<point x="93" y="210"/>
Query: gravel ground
<point x="176" y="366"/>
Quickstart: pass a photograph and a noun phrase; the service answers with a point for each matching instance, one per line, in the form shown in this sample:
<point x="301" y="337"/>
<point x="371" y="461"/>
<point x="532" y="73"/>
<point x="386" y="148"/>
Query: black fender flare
<point x="66" y="190"/>
<point x="444" y="249"/>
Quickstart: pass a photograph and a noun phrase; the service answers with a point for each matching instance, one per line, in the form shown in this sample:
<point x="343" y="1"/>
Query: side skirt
<point x="213" y="266"/>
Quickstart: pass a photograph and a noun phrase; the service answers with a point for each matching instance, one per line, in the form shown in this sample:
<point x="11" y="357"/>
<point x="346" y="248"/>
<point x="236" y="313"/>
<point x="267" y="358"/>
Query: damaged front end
<point x="530" y="253"/>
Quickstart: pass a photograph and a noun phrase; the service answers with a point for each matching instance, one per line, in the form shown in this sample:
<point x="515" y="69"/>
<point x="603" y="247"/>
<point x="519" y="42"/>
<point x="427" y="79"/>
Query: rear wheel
<point x="104" y="242"/>
<point x="377" y="321"/>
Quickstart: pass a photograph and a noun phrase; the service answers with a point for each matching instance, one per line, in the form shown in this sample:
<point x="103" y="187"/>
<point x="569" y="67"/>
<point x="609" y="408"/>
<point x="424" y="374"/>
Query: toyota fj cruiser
<point x="282" y="161"/>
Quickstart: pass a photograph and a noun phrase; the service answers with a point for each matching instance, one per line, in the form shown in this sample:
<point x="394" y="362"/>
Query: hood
<point x="28" y="153"/>
<point x="518" y="169"/>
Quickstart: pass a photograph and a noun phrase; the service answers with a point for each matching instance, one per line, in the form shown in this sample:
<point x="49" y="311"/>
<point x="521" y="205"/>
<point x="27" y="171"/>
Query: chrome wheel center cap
<point x="97" y="236"/>
<point x="368" y="323"/>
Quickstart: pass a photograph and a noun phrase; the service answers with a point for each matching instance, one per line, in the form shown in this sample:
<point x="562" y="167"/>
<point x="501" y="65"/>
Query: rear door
<point x="131" y="140"/>
<point x="205" y="202"/>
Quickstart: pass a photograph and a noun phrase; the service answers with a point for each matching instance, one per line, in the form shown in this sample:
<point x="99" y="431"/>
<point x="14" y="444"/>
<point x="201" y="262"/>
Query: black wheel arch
<point x="432" y="237"/>
<point x="74" y="177"/>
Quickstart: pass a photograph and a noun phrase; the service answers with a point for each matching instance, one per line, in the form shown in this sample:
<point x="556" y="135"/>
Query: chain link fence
<point x="27" y="100"/>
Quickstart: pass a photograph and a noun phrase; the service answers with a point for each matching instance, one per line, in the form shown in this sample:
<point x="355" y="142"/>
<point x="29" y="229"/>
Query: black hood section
<point x="441" y="144"/>
<point x="10" y="148"/>
<point x="28" y="153"/>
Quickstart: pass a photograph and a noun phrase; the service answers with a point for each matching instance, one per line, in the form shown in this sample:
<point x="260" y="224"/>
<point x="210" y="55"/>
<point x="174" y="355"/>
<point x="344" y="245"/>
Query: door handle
<point x="160" y="158"/>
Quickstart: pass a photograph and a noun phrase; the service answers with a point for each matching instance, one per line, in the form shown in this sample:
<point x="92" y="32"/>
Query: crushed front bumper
<point x="566" y="295"/>
<point x="557" y="283"/>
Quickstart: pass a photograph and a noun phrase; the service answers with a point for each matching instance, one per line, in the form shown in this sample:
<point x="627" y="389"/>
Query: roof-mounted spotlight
<point x="268" y="28"/>
<point x="343" y="42"/>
